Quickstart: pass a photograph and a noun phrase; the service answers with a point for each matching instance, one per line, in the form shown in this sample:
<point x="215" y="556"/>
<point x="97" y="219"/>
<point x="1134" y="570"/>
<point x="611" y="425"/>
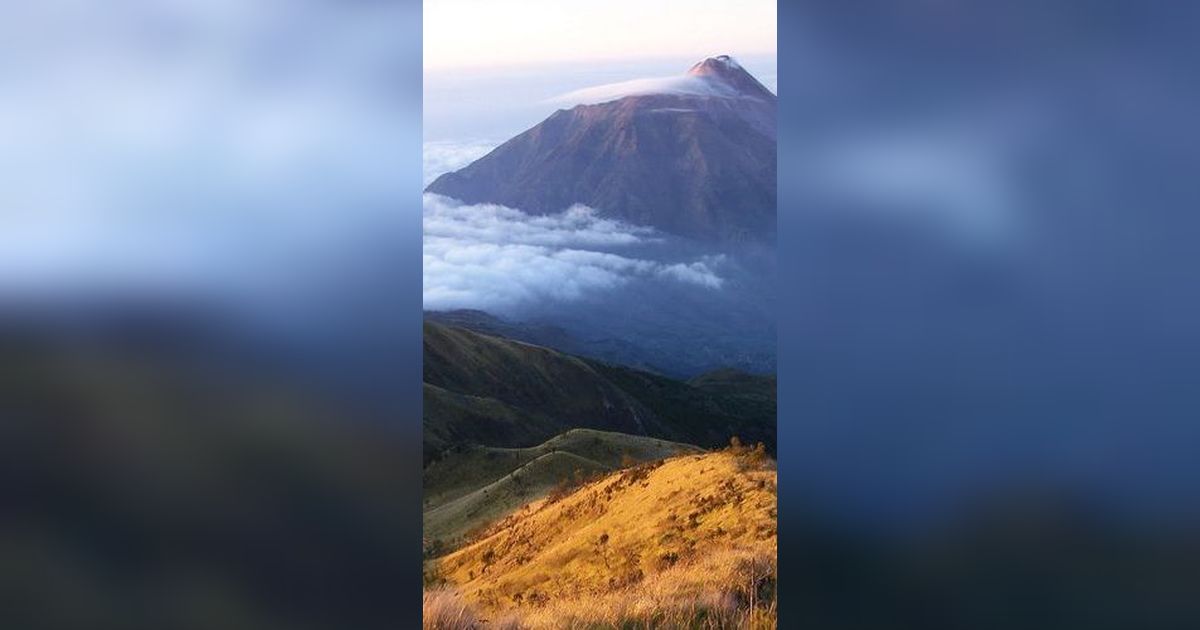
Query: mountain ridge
<point x="486" y="390"/>
<point x="478" y="485"/>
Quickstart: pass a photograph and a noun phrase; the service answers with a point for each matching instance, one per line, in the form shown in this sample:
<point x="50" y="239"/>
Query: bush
<point x="568" y="485"/>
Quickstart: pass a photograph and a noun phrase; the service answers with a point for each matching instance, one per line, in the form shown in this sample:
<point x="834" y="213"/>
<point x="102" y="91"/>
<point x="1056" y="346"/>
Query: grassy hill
<point x="685" y="542"/>
<point x="490" y="390"/>
<point x="738" y="384"/>
<point x="706" y="415"/>
<point x="481" y="389"/>
<point x="477" y="485"/>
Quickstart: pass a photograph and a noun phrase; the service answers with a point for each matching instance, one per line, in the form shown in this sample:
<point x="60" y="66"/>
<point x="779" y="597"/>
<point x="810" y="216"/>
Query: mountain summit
<point x="695" y="159"/>
<point x="725" y="69"/>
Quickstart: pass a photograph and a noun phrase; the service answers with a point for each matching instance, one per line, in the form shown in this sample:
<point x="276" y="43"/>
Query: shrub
<point x="433" y="548"/>
<point x="567" y="485"/>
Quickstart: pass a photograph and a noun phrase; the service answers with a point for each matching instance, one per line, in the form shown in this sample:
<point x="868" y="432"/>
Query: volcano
<point x="693" y="156"/>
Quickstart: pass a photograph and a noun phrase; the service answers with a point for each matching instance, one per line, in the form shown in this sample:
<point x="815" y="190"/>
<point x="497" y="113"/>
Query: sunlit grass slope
<point x="473" y="486"/>
<point x="685" y="542"/>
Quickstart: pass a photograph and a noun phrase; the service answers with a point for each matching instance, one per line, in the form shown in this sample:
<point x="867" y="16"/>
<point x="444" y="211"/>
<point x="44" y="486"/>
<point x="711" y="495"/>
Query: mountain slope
<point x="697" y="163"/>
<point x="487" y="390"/>
<point x="666" y="345"/>
<point x="738" y="384"/>
<point x="670" y="542"/>
<point x="477" y="485"/>
<point x="706" y="416"/>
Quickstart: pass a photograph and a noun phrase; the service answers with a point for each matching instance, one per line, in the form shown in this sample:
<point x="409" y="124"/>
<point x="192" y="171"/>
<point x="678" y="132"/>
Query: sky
<point x="496" y="67"/>
<point x="490" y="33"/>
<point x="494" y="104"/>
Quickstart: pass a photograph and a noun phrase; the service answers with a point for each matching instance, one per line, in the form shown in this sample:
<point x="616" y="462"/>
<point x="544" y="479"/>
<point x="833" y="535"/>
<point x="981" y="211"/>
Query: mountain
<point x="688" y="542"/>
<point x="695" y="157"/>
<point x="487" y="390"/>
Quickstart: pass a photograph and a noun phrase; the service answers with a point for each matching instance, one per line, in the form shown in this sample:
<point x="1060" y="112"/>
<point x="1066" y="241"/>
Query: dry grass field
<point x="686" y="542"/>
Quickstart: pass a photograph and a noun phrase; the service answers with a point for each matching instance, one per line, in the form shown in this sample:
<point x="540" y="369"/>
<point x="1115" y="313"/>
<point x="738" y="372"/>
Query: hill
<point x="681" y="542"/>
<point x="707" y="415"/>
<point x="738" y="384"/>
<point x="489" y="390"/>
<point x="649" y="338"/>
<point x="698" y="162"/>
<point x="485" y="390"/>
<point x="478" y="485"/>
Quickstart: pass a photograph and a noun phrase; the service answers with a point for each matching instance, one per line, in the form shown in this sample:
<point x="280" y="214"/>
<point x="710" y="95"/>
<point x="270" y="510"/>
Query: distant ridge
<point x="486" y="390"/>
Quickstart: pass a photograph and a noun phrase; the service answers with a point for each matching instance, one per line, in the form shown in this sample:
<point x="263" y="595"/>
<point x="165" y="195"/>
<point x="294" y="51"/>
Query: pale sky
<point x="483" y="33"/>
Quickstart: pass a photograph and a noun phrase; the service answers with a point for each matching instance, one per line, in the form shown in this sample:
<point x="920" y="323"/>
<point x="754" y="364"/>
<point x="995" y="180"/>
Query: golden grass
<point x="726" y="589"/>
<point x="689" y="543"/>
<point x="470" y="489"/>
<point x="445" y="609"/>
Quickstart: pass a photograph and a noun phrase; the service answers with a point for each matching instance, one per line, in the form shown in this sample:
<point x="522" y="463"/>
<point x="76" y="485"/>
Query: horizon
<point x="473" y="105"/>
<point x="501" y="35"/>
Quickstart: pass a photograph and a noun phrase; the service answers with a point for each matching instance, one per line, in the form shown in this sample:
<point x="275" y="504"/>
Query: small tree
<point x="602" y="548"/>
<point x="759" y="455"/>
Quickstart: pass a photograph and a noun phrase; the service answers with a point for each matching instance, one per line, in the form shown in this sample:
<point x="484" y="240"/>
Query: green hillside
<point x="478" y="485"/>
<point x="486" y="390"/>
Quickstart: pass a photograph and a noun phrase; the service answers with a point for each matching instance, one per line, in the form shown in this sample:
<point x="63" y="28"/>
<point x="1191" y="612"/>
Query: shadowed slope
<point x="493" y="391"/>
<point x="489" y="390"/>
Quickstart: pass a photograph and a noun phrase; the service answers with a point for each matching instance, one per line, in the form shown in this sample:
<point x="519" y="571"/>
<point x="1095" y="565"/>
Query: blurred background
<point x="209" y="314"/>
<point x="988" y="400"/>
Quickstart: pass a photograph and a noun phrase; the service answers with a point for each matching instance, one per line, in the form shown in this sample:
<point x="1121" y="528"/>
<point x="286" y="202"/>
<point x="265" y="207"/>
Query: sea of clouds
<point x="499" y="259"/>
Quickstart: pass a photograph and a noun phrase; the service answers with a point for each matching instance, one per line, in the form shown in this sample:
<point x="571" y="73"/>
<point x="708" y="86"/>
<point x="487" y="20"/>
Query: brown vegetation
<point x="445" y="609"/>
<point x="686" y="542"/>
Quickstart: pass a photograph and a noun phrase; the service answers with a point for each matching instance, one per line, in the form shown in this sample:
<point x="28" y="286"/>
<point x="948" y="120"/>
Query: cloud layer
<point x="686" y="85"/>
<point x="497" y="258"/>
<point x="443" y="157"/>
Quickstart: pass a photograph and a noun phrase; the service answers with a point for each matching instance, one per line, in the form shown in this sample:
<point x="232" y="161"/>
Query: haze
<point x="479" y="33"/>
